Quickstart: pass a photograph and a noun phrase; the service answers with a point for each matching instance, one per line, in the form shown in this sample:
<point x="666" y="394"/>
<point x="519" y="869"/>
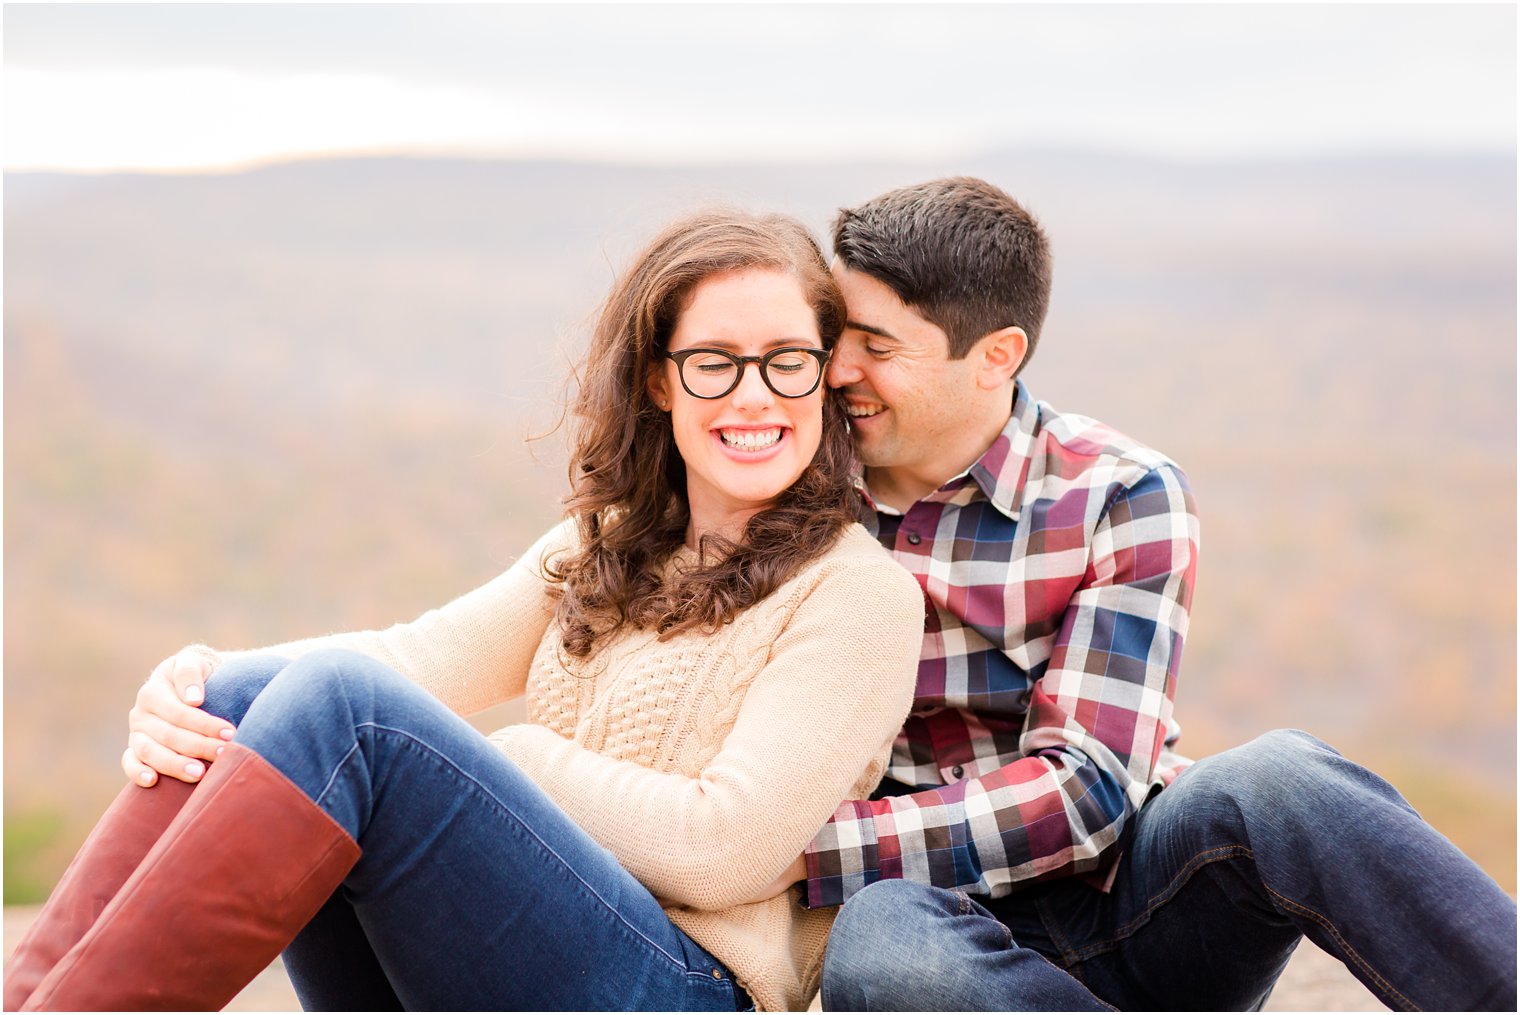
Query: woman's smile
<point x="749" y="441"/>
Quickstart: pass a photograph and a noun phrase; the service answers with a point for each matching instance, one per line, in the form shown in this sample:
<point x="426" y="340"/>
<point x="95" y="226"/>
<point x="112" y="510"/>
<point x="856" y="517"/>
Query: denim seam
<point x="965" y="907"/>
<point x="1075" y="956"/>
<point x="332" y="779"/>
<point x="1069" y="967"/>
<point x="1350" y="952"/>
<point x="523" y="825"/>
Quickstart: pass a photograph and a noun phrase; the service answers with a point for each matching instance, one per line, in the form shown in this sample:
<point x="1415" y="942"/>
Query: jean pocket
<point x="710" y="982"/>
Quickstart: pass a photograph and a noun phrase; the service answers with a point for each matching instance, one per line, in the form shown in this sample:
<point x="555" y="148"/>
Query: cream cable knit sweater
<point x="705" y="762"/>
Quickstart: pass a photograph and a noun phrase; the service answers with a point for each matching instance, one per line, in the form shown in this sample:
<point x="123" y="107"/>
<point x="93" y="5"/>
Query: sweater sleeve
<point x="475" y="651"/>
<point x="830" y="697"/>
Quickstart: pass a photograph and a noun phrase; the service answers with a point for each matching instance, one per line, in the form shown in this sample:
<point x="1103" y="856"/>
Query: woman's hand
<point x="794" y="873"/>
<point x="167" y="732"/>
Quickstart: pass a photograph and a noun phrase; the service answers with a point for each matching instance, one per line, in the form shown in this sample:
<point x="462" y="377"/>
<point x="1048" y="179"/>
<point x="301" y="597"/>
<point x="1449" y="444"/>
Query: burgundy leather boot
<point x="117" y="844"/>
<point x="243" y="867"/>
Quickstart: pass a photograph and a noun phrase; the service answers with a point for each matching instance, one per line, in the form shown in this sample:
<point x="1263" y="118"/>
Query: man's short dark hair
<point x="959" y="251"/>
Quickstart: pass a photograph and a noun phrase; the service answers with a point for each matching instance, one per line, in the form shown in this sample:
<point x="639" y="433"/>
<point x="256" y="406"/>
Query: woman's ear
<point x="1002" y="354"/>
<point x="659" y="391"/>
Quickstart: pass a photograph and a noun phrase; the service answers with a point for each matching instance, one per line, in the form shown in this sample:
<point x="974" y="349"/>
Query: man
<point x="1036" y="844"/>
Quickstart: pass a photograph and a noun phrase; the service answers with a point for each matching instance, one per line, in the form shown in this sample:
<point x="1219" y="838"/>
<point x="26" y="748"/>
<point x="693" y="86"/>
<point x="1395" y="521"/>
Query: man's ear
<point x="1001" y="355"/>
<point x="659" y="392"/>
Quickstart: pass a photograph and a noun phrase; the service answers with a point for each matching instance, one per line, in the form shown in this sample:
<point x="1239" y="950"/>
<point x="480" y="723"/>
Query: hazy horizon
<point x="1091" y="154"/>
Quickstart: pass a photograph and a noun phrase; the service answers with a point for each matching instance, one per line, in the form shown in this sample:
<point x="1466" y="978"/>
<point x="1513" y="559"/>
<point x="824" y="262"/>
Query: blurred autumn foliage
<point x="242" y="408"/>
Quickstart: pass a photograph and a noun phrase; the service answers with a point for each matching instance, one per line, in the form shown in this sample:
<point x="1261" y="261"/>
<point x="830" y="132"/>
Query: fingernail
<point x="195" y="770"/>
<point x="146" y="778"/>
<point x="228" y="733"/>
<point x="219" y="751"/>
<point x="193" y="694"/>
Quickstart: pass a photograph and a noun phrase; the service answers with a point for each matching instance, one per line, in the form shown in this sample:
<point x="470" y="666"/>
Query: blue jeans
<point x="1224" y="872"/>
<point x="474" y="890"/>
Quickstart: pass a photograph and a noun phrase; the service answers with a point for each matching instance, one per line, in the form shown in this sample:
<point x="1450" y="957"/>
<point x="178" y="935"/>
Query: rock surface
<point x="1313" y="982"/>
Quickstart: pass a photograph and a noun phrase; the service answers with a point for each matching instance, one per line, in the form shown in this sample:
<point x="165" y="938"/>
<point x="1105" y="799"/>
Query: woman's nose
<point x="752" y="391"/>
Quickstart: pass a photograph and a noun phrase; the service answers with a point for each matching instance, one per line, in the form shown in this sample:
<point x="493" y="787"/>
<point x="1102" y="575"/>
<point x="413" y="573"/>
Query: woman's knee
<point x="233" y="686"/>
<point x="345" y="666"/>
<point x="322" y="675"/>
<point x="345" y="673"/>
<point x="335" y="686"/>
<point x="308" y="718"/>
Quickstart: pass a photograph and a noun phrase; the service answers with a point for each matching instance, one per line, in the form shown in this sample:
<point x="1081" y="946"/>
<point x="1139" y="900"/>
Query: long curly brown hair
<point x="627" y="479"/>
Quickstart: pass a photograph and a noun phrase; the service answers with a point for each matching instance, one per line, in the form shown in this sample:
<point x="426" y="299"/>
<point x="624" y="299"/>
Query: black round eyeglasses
<point x="790" y="372"/>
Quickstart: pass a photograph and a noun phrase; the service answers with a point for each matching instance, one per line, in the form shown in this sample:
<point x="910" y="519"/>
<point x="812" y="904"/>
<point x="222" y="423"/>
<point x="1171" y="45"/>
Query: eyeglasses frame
<point x="680" y="358"/>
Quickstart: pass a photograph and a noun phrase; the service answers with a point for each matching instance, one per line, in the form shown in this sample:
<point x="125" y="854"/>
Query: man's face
<point x="909" y="403"/>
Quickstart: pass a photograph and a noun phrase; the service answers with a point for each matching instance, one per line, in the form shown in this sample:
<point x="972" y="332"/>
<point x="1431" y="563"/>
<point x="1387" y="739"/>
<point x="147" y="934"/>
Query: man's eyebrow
<point x="869" y="329"/>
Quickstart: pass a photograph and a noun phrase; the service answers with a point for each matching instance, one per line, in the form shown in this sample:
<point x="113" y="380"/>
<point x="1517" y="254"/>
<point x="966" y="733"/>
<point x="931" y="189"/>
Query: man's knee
<point x="902" y="946"/>
<point x="1287" y="779"/>
<point x="1294" y="747"/>
<point x="882" y="917"/>
<point x="1265" y="768"/>
<point x="896" y="944"/>
<point x="875" y="938"/>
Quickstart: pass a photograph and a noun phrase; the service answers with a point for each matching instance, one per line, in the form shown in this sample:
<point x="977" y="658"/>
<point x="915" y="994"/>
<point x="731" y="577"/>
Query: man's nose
<point x="843" y="369"/>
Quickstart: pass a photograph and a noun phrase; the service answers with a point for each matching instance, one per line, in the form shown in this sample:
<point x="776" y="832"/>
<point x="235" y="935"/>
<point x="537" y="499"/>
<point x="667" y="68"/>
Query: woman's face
<point x="744" y="449"/>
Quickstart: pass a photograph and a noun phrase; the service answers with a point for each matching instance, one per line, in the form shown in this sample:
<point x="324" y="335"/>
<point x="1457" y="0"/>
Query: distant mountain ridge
<point x="519" y="253"/>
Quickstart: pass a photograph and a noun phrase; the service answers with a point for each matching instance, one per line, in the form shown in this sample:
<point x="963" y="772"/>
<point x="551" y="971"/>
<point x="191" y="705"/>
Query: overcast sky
<point x="187" y="86"/>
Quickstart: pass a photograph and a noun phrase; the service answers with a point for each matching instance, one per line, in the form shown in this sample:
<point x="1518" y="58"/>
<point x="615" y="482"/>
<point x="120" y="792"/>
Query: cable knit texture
<point x="705" y="762"/>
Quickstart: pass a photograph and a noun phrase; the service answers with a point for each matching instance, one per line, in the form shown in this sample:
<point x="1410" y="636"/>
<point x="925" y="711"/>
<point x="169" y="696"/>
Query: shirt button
<point x="914" y="538"/>
<point x="957" y="771"/>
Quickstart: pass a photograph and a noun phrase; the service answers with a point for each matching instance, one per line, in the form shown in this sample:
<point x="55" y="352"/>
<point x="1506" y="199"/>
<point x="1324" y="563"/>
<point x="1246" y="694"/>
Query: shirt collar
<point x="999" y="472"/>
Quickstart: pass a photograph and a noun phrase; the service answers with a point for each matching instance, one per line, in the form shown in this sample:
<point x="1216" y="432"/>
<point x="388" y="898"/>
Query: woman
<point x="713" y="655"/>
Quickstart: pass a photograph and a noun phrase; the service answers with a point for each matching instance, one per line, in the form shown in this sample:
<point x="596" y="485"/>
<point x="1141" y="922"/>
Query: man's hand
<point x="795" y="872"/>
<point x="167" y="732"/>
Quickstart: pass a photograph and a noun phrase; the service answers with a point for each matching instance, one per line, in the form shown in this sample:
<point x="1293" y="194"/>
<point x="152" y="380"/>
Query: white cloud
<point x="212" y="116"/>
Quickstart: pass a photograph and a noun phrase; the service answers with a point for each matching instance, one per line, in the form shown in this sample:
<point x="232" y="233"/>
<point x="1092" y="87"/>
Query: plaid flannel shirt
<point x="1057" y="573"/>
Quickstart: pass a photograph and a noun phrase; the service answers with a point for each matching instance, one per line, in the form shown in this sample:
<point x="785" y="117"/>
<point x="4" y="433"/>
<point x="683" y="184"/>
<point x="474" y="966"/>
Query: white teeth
<point x="859" y="411"/>
<point x="751" y="440"/>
